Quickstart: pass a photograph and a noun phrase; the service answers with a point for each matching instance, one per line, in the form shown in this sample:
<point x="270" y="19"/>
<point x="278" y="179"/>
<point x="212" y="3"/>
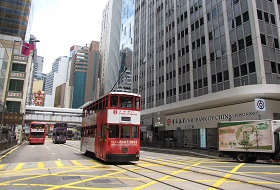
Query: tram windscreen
<point x="134" y="131"/>
<point x="125" y="131"/>
<point x="113" y="131"/>
<point x="126" y="101"/>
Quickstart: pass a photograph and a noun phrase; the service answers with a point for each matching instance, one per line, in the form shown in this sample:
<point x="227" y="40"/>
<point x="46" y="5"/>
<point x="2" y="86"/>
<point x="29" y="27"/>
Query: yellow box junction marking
<point x="40" y="165"/>
<point x="222" y="180"/>
<point x="76" y="163"/>
<point x="59" y="164"/>
<point x="44" y="175"/>
<point x="19" y="166"/>
<point x="2" y="166"/>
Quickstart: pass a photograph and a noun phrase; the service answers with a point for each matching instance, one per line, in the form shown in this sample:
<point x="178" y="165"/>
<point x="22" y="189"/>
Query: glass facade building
<point x="126" y="45"/>
<point x="83" y="75"/>
<point x="15" y="17"/>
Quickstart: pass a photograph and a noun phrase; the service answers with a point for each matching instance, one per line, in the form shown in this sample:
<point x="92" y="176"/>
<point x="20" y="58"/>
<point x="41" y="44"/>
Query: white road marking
<point x="47" y="147"/>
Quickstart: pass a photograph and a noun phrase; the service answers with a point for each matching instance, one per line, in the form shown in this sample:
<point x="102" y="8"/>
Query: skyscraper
<point x="199" y="62"/>
<point x="83" y="76"/>
<point x="16" y="18"/>
<point x="54" y="78"/>
<point x="109" y="46"/>
<point x="126" y="45"/>
<point x="39" y="64"/>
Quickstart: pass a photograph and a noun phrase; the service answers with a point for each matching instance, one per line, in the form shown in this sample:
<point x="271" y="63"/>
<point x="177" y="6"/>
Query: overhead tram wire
<point x="118" y="79"/>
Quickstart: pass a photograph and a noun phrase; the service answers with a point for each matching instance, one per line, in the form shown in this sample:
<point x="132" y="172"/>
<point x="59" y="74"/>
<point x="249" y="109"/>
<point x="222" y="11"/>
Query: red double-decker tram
<point x="111" y="127"/>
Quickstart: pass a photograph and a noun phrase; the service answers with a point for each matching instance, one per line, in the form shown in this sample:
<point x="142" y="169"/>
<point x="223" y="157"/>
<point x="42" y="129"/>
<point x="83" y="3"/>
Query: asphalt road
<point x="62" y="166"/>
<point x="39" y="152"/>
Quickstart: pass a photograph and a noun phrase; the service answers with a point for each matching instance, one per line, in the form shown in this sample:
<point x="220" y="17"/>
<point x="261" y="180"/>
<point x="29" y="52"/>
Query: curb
<point x="181" y="152"/>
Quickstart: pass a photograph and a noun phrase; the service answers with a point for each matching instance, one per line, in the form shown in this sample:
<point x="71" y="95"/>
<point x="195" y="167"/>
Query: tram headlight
<point x="124" y="150"/>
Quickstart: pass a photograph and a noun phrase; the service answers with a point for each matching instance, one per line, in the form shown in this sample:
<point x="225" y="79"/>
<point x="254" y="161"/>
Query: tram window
<point x="114" y="101"/>
<point x="126" y="101"/>
<point x="134" y="131"/>
<point x="113" y="131"/>
<point x="137" y="103"/>
<point x="125" y="132"/>
<point x="106" y="102"/>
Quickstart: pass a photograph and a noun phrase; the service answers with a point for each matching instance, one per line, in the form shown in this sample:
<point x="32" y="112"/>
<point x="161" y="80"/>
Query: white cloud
<point x="60" y="24"/>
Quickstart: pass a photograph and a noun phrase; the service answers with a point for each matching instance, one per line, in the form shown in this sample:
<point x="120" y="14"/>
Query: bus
<point x="111" y="127"/>
<point x="37" y="133"/>
<point x="59" y="133"/>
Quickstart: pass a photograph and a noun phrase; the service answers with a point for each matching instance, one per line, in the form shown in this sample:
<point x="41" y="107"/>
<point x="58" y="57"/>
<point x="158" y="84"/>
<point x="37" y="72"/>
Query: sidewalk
<point x="8" y="149"/>
<point x="204" y="153"/>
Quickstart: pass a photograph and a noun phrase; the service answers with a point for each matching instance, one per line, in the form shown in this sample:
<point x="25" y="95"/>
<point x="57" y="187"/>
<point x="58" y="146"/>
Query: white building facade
<point x="199" y="62"/>
<point x="109" y="45"/>
<point x="56" y="77"/>
<point x="39" y="64"/>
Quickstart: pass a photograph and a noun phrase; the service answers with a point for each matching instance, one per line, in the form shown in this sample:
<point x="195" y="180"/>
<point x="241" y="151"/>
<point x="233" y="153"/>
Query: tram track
<point x="191" y="168"/>
<point x="167" y="174"/>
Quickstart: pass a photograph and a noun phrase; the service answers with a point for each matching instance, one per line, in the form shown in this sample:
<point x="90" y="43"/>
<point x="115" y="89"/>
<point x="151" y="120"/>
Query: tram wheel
<point x="241" y="157"/>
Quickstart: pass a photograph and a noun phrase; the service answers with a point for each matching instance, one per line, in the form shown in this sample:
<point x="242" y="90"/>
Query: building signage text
<point x="20" y="75"/>
<point x="208" y="118"/>
<point x="14" y="94"/>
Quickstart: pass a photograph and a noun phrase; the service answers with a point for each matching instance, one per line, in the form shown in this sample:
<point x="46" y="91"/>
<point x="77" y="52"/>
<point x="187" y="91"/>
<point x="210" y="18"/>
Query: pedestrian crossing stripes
<point x="47" y="164"/>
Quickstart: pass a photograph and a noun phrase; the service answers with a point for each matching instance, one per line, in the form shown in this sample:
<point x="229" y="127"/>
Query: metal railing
<point x="7" y="144"/>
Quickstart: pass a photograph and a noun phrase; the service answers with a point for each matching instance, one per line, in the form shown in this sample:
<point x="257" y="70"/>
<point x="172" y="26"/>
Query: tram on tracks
<point x="111" y="127"/>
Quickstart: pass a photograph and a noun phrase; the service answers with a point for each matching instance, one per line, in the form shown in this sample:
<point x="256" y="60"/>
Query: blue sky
<point x="59" y="24"/>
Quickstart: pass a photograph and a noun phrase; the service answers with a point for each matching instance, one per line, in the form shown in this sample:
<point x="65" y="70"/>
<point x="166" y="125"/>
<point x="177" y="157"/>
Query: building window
<point x="248" y="41"/>
<point x="266" y="17"/>
<point x="236" y="72"/>
<point x="252" y="67"/>
<point x="273" y="67"/>
<point x="259" y="15"/>
<point x="238" y="20"/>
<point x="241" y="44"/>
<point x="263" y="40"/>
<point x="245" y="16"/>
<point x="233" y="47"/>
<point x="214" y="79"/>
<point x="243" y="69"/>
<point x="220" y="77"/>
<point x="276" y="43"/>
<point x="272" y="18"/>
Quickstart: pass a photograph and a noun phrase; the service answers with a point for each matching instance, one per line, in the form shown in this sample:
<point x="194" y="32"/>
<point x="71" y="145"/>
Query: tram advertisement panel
<point x="123" y="116"/>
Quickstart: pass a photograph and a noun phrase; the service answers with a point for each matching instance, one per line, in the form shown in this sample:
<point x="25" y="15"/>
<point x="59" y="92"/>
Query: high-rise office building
<point x="199" y="62"/>
<point x="84" y="72"/>
<point x="126" y="46"/>
<point x="39" y="64"/>
<point x="110" y="46"/>
<point x="54" y="78"/>
<point x="16" y="18"/>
